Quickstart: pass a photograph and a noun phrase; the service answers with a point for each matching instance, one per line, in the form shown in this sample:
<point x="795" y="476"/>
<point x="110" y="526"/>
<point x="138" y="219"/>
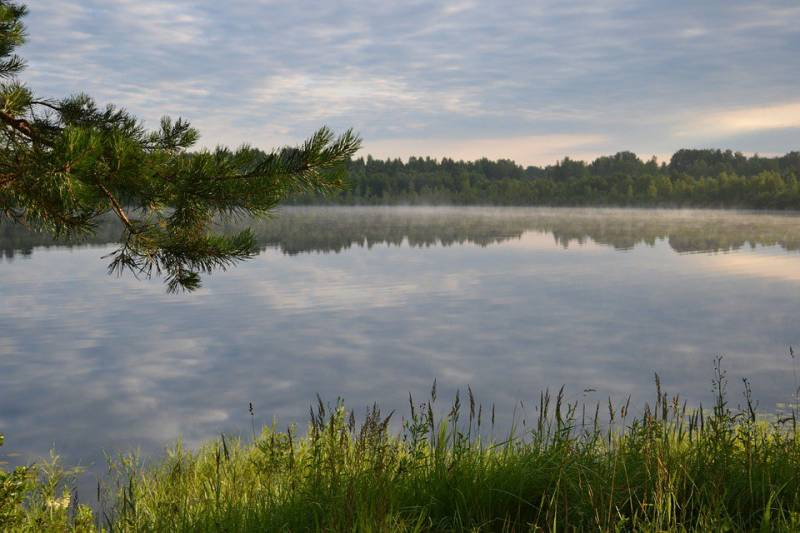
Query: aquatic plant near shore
<point x="667" y="468"/>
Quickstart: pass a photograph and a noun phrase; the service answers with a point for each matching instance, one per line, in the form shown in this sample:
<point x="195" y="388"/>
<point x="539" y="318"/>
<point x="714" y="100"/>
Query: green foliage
<point x="13" y="486"/>
<point x="699" y="178"/>
<point x="64" y="163"/>
<point x="38" y="499"/>
<point x="570" y="469"/>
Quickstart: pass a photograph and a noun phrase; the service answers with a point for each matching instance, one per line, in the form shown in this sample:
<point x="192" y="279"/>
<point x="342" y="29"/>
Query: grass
<point x="669" y="468"/>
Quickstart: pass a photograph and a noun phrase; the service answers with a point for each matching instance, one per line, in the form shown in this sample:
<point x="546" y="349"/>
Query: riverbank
<point x="573" y="468"/>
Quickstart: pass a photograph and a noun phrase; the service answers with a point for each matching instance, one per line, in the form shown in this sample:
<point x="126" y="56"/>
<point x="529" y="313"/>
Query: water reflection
<point x="509" y="301"/>
<point x="334" y="229"/>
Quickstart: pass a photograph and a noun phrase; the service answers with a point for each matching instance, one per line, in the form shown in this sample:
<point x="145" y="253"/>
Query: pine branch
<point x="20" y="125"/>
<point x="118" y="208"/>
<point x="60" y="159"/>
<point x="46" y="103"/>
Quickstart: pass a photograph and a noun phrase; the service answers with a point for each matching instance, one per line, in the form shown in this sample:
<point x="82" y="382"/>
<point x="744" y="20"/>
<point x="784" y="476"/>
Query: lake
<point x="371" y="304"/>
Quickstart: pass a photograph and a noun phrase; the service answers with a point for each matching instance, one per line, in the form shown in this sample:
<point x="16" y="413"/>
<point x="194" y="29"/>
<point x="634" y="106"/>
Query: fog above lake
<point x="333" y="229"/>
<point x="371" y="304"/>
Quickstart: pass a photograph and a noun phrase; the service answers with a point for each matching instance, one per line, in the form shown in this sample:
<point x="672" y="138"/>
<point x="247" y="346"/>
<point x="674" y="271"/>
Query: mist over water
<point x="370" y="304"/>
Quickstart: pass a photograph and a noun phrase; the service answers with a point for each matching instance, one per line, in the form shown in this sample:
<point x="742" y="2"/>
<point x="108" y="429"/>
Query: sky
<point x="532" y="81"/>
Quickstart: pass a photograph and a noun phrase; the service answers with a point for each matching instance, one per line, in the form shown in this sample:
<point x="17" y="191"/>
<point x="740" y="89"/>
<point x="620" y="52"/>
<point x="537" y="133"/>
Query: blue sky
<point x="531" y="81"/>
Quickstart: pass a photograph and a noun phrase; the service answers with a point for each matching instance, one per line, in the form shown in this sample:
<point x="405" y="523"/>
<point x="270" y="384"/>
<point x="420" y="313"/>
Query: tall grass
<point x="576" y="468"/>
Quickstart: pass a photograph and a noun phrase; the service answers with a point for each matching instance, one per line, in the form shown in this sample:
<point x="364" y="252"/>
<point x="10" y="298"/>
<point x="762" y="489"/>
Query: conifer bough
<point x="65" y="163"/>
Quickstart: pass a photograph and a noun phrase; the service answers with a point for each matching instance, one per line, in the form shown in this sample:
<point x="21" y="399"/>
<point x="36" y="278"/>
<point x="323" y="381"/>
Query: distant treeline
<point x="703" y="178"/>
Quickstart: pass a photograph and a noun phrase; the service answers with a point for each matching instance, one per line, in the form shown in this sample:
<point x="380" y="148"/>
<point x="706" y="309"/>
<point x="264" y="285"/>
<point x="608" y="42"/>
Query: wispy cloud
<point x="540" y="149"/>
<point x="638" y="73"/>
<point x="745" y="120"/>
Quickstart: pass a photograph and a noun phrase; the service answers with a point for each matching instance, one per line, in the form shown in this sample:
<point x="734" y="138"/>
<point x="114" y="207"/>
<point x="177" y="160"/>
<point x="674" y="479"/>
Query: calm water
<point x="371" y="304"/>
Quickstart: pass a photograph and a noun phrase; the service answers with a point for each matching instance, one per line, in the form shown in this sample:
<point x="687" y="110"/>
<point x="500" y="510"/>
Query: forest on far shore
<point x="697" y="178"/>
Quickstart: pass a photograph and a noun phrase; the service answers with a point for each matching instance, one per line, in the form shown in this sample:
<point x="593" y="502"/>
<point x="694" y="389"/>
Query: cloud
<point x="272" y="72"/>
<point x="323" y="96"/>
<point x="529" y="149"/>
<point x="155" y="22"/>
<point x="745" y="120"/>
<point x="455" y="7"/>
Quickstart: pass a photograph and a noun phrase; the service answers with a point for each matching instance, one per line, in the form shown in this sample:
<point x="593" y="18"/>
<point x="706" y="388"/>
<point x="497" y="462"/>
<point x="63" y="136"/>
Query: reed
<point x="575" y="468"/>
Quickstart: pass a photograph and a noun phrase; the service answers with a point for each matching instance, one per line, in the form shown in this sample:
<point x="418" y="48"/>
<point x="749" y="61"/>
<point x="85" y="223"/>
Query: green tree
<point x="65" y="163"/>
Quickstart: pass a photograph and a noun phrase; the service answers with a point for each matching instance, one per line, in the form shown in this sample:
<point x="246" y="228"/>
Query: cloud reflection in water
<point x="371" y="304"/>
